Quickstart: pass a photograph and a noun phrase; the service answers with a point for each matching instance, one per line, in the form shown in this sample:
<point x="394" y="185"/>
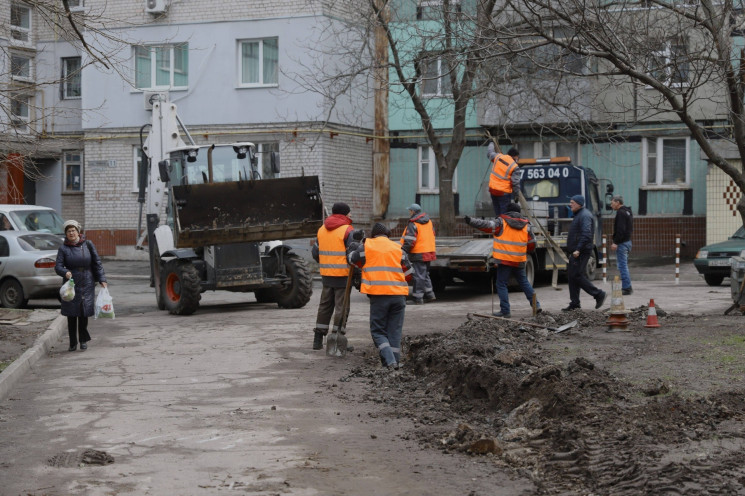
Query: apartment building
<point x="78" y="115"/>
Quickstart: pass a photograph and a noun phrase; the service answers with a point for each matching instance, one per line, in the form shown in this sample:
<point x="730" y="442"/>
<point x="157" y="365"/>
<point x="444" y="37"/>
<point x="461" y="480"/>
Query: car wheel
<point x="713" y="280"/>
<point x="11" y="294"/>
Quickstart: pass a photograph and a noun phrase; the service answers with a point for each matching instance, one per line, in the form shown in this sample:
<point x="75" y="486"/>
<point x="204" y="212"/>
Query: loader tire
<point x="180" y="287"/>
<point x="297" y="293"/>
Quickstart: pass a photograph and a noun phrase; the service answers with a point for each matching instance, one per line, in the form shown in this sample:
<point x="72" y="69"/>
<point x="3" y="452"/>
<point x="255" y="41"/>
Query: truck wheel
<point x="157" y="271"/>
<point x="297" y="293"/>
<point x="180" y="287"/>
<point x="591" y="270"/>
<point x="712" y="280"/>
<point x="530" y="270"/>
<point x="439" y="281"/>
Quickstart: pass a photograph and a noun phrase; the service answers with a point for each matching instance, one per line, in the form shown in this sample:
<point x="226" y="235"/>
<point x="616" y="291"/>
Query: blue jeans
<point x="622" y="259"/>
<point x="386" y="326"/>
<point x="503" y="276"/>
<point x="500" y="203"/>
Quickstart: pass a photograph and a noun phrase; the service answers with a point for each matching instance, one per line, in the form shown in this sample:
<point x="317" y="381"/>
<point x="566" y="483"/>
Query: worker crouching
<point x="385" y="271"/>
<point x="513" y="240"/>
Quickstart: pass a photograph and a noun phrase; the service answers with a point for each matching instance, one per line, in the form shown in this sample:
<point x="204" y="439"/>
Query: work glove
<point x="358" y="234"/>
<point x="353" y="246"/>
<point x="467" y="218"/>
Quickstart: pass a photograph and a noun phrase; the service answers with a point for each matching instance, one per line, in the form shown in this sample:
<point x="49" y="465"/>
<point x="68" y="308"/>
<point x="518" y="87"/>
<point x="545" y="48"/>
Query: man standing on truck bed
<point x="513" y="240"/>
<point x="330" y="251"/>
<point x="503" y="180"/>
<point x="623" y="225"/>
<point x="418" y="241"/>
<point x="385" y="270"/>
<point x="579" y="246"/>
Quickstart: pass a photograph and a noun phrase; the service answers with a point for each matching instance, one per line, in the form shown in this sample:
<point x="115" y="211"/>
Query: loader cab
<point x="213" y="164"/>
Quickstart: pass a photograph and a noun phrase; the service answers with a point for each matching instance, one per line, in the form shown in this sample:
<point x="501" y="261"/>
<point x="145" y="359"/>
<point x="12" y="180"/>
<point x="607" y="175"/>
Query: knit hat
<point x="379" y="229"/>
<point x="579" y="200"/>
<point x="340" y="208"/>
<point x="415" y="207"/>
<point x="514" y="207"/>
<point x="72" y="223"/>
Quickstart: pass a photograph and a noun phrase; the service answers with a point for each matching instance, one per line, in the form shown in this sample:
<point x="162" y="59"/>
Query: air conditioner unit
<point x="156" y="6"/>
<point x="152" y="97"/>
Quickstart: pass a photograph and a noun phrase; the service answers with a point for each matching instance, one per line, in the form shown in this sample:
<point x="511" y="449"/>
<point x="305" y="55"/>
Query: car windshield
<point x="39" y="242"/>
<point x="46" y="221"/>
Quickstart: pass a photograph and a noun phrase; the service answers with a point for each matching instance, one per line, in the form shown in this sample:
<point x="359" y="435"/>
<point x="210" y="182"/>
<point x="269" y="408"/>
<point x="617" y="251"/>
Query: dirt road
<point x="234" y="398"/>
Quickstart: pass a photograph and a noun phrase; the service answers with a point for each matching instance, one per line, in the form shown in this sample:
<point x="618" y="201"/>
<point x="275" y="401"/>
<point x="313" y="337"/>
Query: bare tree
<point x="435" y="63"/>
<point x="646" y="61"/>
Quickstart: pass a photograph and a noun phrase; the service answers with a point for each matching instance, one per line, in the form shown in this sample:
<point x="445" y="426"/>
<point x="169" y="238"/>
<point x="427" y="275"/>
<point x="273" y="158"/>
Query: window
<point x="264" y="152"/>
<point x="20" y="111"/>
<point x="75" y="4"/>
<point x="21" y="67"/>
<point x="429" y="176"/>
<point x="259" y="62"/>
<point x="20" y="23"/>
<point x="73" y="166"/>
<point x="162" y="66"/>
<point x="429" y="10"/>
<point x="670" y="64"/>
<point x="71" y="80"/>
<point x="665" y="161"/>
<point x="435" y="77"/>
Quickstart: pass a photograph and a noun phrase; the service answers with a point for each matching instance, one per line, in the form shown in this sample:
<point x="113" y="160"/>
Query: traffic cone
<point x="652" y="315"/>
<point x="617" y="319"/>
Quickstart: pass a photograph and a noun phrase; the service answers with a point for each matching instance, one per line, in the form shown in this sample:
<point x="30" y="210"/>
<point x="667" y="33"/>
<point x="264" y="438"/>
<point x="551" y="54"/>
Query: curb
<point x="10" y="376"/>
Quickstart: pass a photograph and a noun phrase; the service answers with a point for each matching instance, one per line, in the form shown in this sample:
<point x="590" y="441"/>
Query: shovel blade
<point x="336" y="345"/>
<point x="566" y="326"/>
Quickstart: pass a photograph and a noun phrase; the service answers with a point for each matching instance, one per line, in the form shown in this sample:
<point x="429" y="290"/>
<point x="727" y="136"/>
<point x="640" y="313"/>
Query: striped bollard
<point x="604" y="261"/>
<point x="677" y="258"/>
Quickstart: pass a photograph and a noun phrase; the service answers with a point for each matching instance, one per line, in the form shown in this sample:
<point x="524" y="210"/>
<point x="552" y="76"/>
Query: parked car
<point x="714" y="261"/>
<point x="30" y="218"/>
<point x="27" y="267"/>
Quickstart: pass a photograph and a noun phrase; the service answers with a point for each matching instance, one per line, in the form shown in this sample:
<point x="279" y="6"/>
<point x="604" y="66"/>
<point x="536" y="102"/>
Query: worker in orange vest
<point x="418" y="241"/>
<point x="330" y="251"/>
<point x="513" y="240"/>
<point x="385" y="270"/>
<point x="504" y="180"/>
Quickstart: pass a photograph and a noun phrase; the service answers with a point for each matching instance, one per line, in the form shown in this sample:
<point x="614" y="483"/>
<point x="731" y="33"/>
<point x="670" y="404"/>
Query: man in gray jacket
<point x="579" y="246"/>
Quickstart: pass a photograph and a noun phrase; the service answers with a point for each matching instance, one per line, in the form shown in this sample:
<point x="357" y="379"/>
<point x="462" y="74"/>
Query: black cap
<point x="340" y="208"/>
<point x="379" y="229"/>
<point x="514" y="207"/>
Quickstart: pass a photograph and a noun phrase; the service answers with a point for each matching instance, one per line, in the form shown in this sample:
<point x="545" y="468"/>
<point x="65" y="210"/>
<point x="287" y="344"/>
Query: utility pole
<point x="381" y="144"/>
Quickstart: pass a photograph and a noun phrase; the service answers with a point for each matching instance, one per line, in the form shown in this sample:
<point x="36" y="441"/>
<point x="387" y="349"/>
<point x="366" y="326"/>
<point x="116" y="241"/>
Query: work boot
<point x="627" y="291"/>
<point x="415" y="301"/>
<point x="318" y="340"/>
<point x="502" y="315"/>
<point x="429" y="297"/>
<point x="600" y="300"/>
<point x="570" y="308"/>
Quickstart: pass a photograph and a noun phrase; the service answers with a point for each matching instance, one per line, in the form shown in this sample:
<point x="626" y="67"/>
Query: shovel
<point x="336" y="343"/>
<point x="555" y="330"/>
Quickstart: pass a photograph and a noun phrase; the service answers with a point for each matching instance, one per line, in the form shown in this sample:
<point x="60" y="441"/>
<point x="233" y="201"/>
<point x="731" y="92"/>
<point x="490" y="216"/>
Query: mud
<point x="587" y="411"/>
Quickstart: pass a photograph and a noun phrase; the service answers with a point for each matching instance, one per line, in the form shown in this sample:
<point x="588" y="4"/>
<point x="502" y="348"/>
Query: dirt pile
<point x="494" y="388"/>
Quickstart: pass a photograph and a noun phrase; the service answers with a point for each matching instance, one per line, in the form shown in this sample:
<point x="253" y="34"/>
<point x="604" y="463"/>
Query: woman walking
<point x="79" y="260"/>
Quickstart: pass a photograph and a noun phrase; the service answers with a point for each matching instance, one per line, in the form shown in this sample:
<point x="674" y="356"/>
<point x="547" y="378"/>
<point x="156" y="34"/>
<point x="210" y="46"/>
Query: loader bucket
<point x="246" y="211"/>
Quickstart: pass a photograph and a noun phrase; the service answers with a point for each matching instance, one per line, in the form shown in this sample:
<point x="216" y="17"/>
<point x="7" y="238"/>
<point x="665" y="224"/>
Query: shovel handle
<point x="346" y="301"/>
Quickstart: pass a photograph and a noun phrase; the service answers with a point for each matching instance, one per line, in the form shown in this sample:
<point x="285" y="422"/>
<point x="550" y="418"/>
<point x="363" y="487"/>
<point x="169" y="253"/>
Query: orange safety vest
<point x="511" y="245"/>
<point x="382" y="273"/>
<point x="503" y="167"/>
<point x="332" y="254"/>
<point x="425" y="239"/>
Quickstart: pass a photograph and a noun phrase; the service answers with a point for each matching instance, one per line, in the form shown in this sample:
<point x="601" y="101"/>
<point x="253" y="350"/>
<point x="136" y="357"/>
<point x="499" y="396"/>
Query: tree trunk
<point x="447" y="203"/>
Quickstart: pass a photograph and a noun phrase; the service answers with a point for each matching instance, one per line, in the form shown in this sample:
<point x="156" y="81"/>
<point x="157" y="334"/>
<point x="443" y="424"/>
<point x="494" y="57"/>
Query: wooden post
<point x="677" y="258"/>
<point x="604" y="260"/>
<point x="381" y="145"/>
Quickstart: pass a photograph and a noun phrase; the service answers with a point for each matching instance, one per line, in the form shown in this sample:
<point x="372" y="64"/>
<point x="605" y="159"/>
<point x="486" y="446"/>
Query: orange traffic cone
<point x="652" y="315"/>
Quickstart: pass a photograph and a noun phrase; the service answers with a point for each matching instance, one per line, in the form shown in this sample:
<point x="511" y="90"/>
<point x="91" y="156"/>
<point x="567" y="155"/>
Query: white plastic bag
<point x="67" y="291"/>
<point x="104" y="305"/>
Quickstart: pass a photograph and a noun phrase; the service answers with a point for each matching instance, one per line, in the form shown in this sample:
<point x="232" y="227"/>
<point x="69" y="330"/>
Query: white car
<point x="30" y="218"/>
<point x="27" y="267"/>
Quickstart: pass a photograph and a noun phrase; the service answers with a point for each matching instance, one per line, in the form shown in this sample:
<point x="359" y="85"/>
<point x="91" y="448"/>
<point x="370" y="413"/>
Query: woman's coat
<point x="85" y="264"/>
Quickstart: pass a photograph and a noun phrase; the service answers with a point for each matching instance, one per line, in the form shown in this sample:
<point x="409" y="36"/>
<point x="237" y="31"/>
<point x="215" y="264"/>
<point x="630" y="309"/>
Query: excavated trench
<point x="493" y="388"/>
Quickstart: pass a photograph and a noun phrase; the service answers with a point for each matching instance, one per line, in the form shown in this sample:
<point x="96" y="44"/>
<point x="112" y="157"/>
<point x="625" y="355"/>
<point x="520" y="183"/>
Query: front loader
<point x="223" y="221"/>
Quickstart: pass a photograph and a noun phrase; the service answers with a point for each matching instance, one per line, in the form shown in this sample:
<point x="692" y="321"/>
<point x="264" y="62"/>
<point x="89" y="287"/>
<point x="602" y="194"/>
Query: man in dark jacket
<point x="418" y="241"/>
<point x="579" y="246"/>
<point x="623" y="225"/>
<point x="330" y="251"/>
<point x="513" y="240"/>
